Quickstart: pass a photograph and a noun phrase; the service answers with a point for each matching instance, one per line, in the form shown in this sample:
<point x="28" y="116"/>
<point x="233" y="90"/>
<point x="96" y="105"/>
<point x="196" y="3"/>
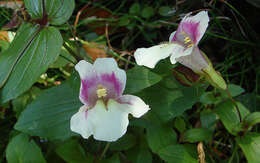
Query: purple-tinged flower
<point x="105" y="111"/>
<point x="182" y="46"/>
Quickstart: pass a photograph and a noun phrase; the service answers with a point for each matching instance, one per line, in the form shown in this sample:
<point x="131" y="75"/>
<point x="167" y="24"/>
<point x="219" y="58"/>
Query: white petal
<point x="85" y="69"/>
<point x="195" y="61"/>
<point x="80" y="123"/>
<point x="108" y="66"/>
<point x="134" y="105"/>
<point x="203" y="19"/>
<point x="171" y="36"/>
<point x="150" y="56"/>
<point x="179" y="52"/>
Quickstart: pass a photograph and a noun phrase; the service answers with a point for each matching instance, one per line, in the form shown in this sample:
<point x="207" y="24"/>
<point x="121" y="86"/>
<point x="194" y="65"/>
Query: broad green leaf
<point x="208" y="119"/>
<point x="41" y="52"/>
<point x="34" y="8"/>
<point x="124" y="143"/>
<point x="49" y="114"/>
<point x="169" y="99"/>
<point x="25" y="34"/>
<point x="159" y="136"/>
<point x="71" y="151"/>
<point x="176" y="154"/>
<point x="64" y="59"/>
<point x="196" y="134"/>
<point x="59" y="11"/>
<point x="22" y="150"/>
<point x="147" y="12"/>
<point x="251" y="101"/>
<point x="229" y="116"/>
<point x="250" y="145"/>
<point x="139" y="78"/>
<point x="251" y="119"/>
<point x="233" y="89"/>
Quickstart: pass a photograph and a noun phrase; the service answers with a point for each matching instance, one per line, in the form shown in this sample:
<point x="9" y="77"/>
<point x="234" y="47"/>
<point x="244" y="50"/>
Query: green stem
<point x="105" y="150"/>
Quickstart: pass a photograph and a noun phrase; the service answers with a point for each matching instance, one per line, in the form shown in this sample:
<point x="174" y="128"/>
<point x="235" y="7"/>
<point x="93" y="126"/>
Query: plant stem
<point x="105" y="150"/>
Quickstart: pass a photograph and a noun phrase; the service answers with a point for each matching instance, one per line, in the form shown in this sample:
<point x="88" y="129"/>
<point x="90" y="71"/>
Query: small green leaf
<point x="229" y="116"/>
<point x="21" y="149"/>
<point x="147" y="12"/>
<point x="208" y="119"/>
<point x="250" y="145"/>
<point x="164" y="10"/>
<point x="251" y="119"/>
<point x="124" y="143"/>
<point x="59" y="11"/>
<point x="196" y="135"/>
<point x="34" y="8"/>
<point x="176" y="153"/>
<point x="179" y="123"/>
<point x="34" y="60"/>
<point x="135" y="9"/>
<point x="139" y="78"/>
<point x="71" y="151"/>
<point x="233" y="89"/>
<point x="49" y="114"/>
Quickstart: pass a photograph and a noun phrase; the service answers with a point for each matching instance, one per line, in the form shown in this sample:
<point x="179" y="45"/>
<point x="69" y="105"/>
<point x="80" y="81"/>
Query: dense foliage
<point x="191" y="117"/>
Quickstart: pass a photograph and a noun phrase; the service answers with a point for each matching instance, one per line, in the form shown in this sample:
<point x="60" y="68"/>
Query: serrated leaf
<point x="229" y="116"/>
<point x="139" y="78"/>
<point x="71" y="151"/>
<point x="25" y="34"/>
<point x="38" y="54"/>
<point x="250" y="145"/>
<point x="21" y="149"/>
<point x="49" y="114"/>
<point x="176" y="154"/>
<point x="196" y="134"/>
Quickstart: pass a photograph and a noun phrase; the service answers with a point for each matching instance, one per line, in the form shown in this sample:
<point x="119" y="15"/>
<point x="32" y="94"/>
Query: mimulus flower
<point x="182" y="46"/>
<point x="105" y="111"/>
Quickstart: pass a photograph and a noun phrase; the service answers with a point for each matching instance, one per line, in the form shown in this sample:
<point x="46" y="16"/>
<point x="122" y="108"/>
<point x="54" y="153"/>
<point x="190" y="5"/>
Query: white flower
<point x="105" y="111"/>
<point x="182" y="46"/>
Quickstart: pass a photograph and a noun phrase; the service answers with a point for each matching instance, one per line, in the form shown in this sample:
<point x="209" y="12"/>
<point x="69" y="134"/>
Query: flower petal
<point x="192" y="27"/>
<point x="80" y="123"/>
<point x="89" y="82"/>
<point x="134" y="105"/>
<point x="171" y="38"/>
<point x="179" y="52"/>
<point x="105" y="123"/>
<point x="150" y="56"/>
<point x="111" y="77"/>
<point x="195" y="61"/>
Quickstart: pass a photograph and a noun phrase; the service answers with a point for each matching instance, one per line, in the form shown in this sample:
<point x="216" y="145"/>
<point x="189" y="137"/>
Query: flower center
<point x="187" y="40"/>
<point x="101" y="91"/>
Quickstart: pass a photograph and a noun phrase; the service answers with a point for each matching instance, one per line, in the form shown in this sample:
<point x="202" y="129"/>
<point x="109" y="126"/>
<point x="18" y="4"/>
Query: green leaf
<point x="124" y="143"/>
<point x="147" y="12"/>
<point x="250" y="145"/>
<point x="196" y="134"/>
<point x="64" y="59"/>
<point x="144" y="156"/>
<point x="113" y="159"/>
<point x="135" y="8"/>
<point x="164" y="10"/>
<point x="139" y="78"/>
<point x="34" y="8"/>
<point x="251" y="119"/>
<point x="49" y="114"/>
<point x="176" y="154"/>
<point x="159" y="136"/>
<point x="179" y="124"/>
<point x="38" y="54"/>
<point x="233" y="89"/>
<point x="71" y="151"/>
<point x="59" y="11"/>
<point x="229" y="116"/>
<point x="22" y="150"/>
<point x="208" y="119"/>
<point x="25" y="34"/>
<point x="169" y="99"/>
